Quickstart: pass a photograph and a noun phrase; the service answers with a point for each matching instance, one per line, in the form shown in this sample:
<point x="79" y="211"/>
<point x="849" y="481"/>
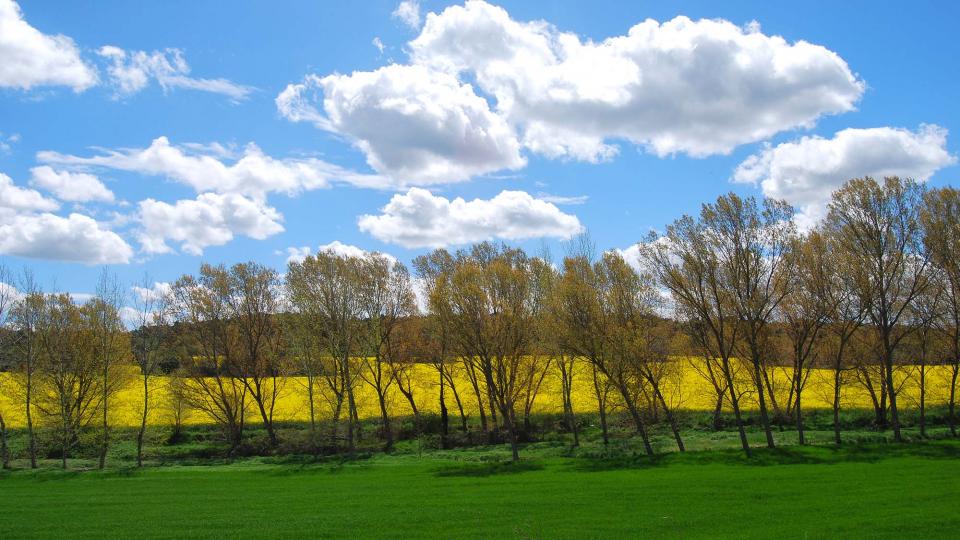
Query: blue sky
<point x="617" y="137"/>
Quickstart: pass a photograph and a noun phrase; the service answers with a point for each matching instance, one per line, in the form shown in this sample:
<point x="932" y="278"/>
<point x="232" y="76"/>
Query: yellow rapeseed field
<point x="686" y="389"/>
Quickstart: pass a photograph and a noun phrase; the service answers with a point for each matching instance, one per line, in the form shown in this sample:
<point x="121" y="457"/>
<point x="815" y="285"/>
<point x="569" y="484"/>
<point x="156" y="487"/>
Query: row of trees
<point x="875" y="285"/>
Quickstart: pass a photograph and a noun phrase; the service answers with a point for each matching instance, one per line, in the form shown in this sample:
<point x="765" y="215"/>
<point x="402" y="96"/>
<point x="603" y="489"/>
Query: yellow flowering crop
<point x="687" y="389"/>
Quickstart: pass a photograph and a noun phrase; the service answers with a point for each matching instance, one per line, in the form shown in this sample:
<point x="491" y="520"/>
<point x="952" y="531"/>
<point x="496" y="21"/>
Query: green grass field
<point x="865" y="490"/>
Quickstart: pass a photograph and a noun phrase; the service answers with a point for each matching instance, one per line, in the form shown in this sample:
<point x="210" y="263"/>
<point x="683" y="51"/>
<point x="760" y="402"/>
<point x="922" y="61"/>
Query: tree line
<point x="873" y="287"/>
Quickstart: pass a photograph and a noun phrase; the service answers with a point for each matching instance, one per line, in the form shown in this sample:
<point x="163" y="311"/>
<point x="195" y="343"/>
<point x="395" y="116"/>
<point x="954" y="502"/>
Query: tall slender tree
<point x="941" y="236"/>
<point x="878" y="224"/>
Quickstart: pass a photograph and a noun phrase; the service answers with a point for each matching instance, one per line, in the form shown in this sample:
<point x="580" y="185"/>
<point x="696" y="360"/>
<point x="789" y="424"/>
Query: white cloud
<point x="415" y="125"/>
<point x="419" y="219"/>
<point x="76" y="238"/>
<point x="408" y="12"/>
<point x="15" y="198"/>
<point x="562" y="199"/>
<point x="212" y="219"/>
<point x="805" y="172"/>
<point x="378" y="44"/>
<point x="297" y="254"/>
<point x="30" y="58"/>
<point x="158" y="290"/>
<point x="204" y="168"/>
<point x="682" y="86"/>
<point x="631" y="255"/>
<point x="479" y="86"/>
<point x="131" y="72"/>
<point x="70" y="186"/>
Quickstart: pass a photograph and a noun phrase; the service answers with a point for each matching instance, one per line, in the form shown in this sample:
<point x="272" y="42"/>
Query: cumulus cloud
<point x="682" y="86"/>
<point x="16" y="198"/>
<point x="233" y="188"/>
<point x="415" y="125"/>
<point x="206" y="168"/>
<point x="297" y="254"/>
<point x="677" y="87"/>
<point x="77" y="238"/>
<point x="30" y="58"/>
<point x="131" y="72"/>
<point x="805" y="172"/>
<point x="70" y="186"/>
<point x="212" y="219"/>
<point x="408" y="12"/>
<point x="419" y="219"/>
<point x="155" y="292"/>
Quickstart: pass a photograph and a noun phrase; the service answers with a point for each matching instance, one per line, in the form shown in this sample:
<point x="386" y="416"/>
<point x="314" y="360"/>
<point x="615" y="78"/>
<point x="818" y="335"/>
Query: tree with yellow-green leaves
<point x="941" y="237"/>
<point x="878" y="225"/>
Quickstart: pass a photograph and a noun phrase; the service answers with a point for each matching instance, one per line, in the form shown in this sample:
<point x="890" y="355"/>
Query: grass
<point x="864" y="490"/>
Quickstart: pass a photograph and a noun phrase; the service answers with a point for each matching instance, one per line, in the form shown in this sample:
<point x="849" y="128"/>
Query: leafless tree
<point x="7" y="298"/>
<point x="25" y="318"/>
<point x="941" y="236"/>
<point x="111" y="346"/>
<point x="878" y="224"/>
<point x="201" y="308"/>
<point x="323" y="288"/>
<point x="69" y="370"/>
<point x="147" y="339"/>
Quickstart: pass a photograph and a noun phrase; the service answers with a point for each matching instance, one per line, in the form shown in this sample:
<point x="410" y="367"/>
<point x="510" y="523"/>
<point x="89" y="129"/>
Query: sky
<point x="149" y="137"/>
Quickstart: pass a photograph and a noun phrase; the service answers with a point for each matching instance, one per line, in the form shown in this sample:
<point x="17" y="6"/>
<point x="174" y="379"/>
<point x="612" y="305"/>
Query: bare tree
<point x="147" y="342"/>
<point x="688" y="262"/>
<point x="386" y="299"/>
<point x="433" y="272"/>
<point x="255" y="345"/>
<point x="7" y="298"/>
<point x="879" y="226"/>
<point x="104" y="313"/>
<point x="596" y="304"/>
<point x="941" y="236"/>
<point x="925" y="345"/>
<point x="25" y="317"/>
<point x="201" y="308"/>
<point x="69" y="370"/>
<point x="804" y="312"/>
<point x="323" y="288"/>
<point x="494" y="314"/>
<point x="307" y="363"/>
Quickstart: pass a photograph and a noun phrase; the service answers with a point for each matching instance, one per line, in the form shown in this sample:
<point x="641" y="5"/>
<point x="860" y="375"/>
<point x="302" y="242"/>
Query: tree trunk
<point x="105" y="442"/>
<point x="510" y="420"/>
<point x="444" y="417"/>
<point x="267" y="423"/>
<point x="566" y="389"/>
<point x="143" y="421"/>
<point x="635" y="414"/>
<point x="601" y="408"/>
<point x="892" y="392"/>
<point x="30" y="434"/>
<point x="350" y="403"/>
<point x="923" y="401"/>
<point x="385" y="423"/>
<point x="836" y="405"/>
<point x="717" y="411"/>
<point x="951" y="415"/>
<point x="334" y="424"/>
<point x="4" y="450"/>
<point x="666" y="410"/>
<point x="313" y="415"/>
<point x="799" y="414"/>
<point x="764" y="419"/>
<point x="480" y="406"/>
<point x="735" y="403"/>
